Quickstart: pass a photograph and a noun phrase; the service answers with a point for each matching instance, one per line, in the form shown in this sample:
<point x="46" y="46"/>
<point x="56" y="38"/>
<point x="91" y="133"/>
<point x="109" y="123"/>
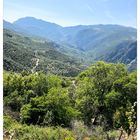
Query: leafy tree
<point x="20" y="88"/>
<point x="14" y="100"/>
<point x="96" y="91"/>
<point x="56" y="104"/>
<point x="126" y="86"/>
<point x="105" y="94"/>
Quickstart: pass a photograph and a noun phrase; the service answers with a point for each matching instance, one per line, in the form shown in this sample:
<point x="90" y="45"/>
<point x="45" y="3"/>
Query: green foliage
<point x="103" y="97"/>
<point x="93" y="86"/>
<point x="15" y="130"/>
<point x="79" y="131"/>
<point x="40" y="98"/>
<point x="14" y="100"/>
<point x="56" y="103"/>
<point x="132" y="117"/>
<point x="127" y="87"/>
<point x="8" y="122"/>
<point x="105" y="90"/>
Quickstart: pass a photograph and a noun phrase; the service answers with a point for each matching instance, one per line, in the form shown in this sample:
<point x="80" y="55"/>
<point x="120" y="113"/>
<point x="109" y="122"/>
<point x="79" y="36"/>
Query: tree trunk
<point x="120" y="135"/>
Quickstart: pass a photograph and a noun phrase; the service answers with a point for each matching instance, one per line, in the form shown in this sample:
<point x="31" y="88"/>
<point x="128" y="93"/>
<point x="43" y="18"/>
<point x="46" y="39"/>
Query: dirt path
<point x="34" y="68"/>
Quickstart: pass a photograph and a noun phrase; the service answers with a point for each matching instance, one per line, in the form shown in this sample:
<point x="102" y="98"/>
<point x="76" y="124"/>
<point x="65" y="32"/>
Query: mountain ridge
<point x="34" y="18"/>
<point x="86" y="42"/>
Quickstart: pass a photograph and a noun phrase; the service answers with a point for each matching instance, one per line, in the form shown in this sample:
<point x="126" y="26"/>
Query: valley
<point x="88" y="43"/>
<point x="29" y="54"/>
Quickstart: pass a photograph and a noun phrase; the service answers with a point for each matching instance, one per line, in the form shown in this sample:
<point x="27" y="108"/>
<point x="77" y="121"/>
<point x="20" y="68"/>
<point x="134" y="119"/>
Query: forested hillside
<point x="22" y="53"/>
<point x="100" y="103"/>
<point x="89" y="43"/>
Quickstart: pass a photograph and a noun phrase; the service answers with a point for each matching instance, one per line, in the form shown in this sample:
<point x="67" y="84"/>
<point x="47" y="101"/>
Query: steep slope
<point x="88" y="43"/>
<point x="9" y="25"/>
<point x="84" y="37"/>
<point x="40" y="28"/>
<point x="17" y="56"/>
<point x="12" y="27"/>
<point x="124" y="52"/>
<point x="24" y="53"/>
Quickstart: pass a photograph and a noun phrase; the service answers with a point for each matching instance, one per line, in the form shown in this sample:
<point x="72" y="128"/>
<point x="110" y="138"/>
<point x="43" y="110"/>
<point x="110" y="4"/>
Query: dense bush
<point x="15" y="130"/>
<point x="102" y="99"/>
<point x="53" y="109"/>
<point x="41" y="99"/>
<point x="104" y="90"/>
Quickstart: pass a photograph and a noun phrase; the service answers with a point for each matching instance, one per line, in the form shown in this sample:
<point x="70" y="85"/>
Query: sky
<point x="74" y="12"/>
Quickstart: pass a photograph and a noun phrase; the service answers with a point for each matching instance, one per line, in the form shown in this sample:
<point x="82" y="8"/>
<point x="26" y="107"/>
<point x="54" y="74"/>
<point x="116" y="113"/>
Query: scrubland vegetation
<point x="98" y="104"/>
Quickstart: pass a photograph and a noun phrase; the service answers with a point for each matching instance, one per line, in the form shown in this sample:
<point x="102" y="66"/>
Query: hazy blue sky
<point x="74" y="12"/>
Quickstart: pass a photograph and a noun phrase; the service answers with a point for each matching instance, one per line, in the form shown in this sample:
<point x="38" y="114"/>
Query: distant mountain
<point x="87" y="42"/>
<point x="40" y="28"/>
<point x="10" y="26"/>
<point x="83" y="36"/>
<point x="125" y="52"/>
<point x="29" y="54"/>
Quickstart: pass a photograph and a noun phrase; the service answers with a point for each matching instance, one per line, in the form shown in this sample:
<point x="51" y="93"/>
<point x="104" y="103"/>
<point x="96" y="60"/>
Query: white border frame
<point x="1" y="69"/>
<point x="138" y="69"/>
